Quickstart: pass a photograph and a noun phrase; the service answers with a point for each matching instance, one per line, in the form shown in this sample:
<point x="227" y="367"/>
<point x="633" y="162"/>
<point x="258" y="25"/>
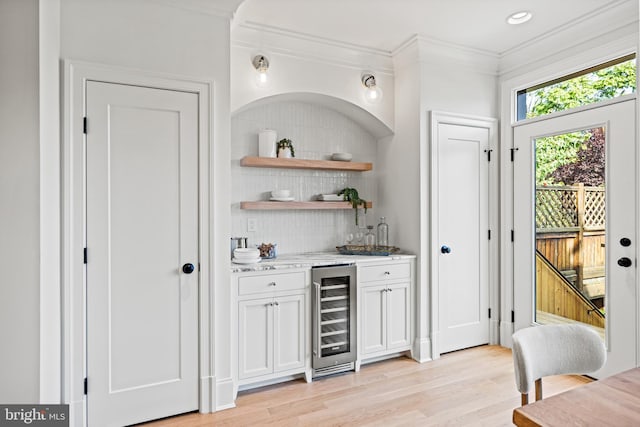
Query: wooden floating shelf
<point x="293" y="163"/>
<point x="264" y="205"/>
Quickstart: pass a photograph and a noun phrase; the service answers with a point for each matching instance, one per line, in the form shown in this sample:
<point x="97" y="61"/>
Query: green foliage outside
<point x="555" y="151"/>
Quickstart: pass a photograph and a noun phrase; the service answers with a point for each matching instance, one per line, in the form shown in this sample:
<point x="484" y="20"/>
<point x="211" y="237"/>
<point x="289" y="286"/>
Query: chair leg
<point x="524" y="398"/>
<point x="538" y="389"/>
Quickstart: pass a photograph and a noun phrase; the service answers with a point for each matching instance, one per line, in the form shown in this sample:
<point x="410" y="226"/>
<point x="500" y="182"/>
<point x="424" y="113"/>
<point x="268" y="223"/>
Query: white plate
<point x="282" y="199"/>
<point x="245" y="261"/>
<point x="331" y="198"/>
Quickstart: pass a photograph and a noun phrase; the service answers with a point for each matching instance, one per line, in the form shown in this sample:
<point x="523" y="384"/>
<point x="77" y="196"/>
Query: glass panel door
<point x="574" y="225"/>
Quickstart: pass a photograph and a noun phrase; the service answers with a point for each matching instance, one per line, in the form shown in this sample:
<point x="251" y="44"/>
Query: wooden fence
<point x="570" y="234"/>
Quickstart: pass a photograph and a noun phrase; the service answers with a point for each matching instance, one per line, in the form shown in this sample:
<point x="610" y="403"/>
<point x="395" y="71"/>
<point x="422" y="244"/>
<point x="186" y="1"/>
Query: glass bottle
<point x="383" y="233"/>
<point x="369" y="239"/>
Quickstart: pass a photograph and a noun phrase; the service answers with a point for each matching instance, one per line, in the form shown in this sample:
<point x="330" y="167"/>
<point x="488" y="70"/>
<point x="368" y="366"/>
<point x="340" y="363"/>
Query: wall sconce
<point x="372" y="92"/>
<point x="261" y="64"/>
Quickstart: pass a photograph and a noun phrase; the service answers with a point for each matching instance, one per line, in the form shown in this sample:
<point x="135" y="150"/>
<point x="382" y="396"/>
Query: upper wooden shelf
<point x="267" y="205"/>
<point x="293" y="163"/>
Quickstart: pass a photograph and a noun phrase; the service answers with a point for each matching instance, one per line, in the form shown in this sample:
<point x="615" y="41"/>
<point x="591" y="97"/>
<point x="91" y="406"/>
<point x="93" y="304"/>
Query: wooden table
<point x="613" y="401"/>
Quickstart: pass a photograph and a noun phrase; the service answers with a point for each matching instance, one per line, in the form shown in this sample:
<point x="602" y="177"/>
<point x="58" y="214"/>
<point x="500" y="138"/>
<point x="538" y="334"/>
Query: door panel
<point x="373" y="328"/>
<point x="398" y="316"/>
<point x="289" y="336"/>
<point x="255" y="349"/>
<point x="461" y="236"/>
<point x="618" y="121"/>
<point x="142" y="226"/>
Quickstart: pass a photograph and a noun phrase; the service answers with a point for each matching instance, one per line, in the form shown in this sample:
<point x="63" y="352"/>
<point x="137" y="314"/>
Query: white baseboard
<point x="207" y="394"/>
<point x="422" y="350"/>
<point x="224" y="394"/>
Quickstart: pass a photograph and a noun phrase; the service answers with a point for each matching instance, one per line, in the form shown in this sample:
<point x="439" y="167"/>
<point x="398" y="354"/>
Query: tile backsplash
<point x="315" y="132"/>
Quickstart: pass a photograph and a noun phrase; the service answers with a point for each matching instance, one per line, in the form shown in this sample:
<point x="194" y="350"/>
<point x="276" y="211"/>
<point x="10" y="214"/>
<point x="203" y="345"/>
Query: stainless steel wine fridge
<point x="334" y="319"/>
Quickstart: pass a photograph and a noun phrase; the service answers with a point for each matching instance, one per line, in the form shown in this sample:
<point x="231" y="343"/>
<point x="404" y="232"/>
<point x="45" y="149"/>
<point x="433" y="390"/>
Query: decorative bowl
<point x="342" y="157"/>
<point x="281" y="194"/>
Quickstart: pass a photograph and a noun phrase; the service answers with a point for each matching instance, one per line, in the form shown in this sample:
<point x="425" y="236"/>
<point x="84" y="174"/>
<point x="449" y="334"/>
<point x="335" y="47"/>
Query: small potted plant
<point x="285" y="148"/>
<point x="351" y="195"/>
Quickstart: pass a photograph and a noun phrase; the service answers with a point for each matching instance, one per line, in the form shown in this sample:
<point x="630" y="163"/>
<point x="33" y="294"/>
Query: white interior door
<point x="141" y="229"/>
<point x="461" y="235"/>
<point x="618" y="121"/>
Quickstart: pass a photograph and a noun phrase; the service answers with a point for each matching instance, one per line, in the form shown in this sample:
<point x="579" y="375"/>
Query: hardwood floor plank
<point x="469" y="387"/>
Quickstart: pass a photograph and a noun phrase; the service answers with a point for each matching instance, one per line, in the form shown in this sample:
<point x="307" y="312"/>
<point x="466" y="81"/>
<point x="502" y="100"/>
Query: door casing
<point x="76" y="74"/>
<point x="436" y="118"/>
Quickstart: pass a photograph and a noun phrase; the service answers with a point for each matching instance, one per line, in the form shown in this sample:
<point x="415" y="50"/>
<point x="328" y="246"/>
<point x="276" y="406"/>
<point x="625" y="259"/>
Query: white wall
<point x="19" y="209"/>
<point x="316" y="132"/>
<point x="188" y="39"/>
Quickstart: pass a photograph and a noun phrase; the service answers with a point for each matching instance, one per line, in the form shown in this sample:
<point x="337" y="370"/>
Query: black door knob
<point x="445" y="249"/>
<point x="624" y="262"/>
<point x="188" y="268"/>
<point x="625" y="242"/>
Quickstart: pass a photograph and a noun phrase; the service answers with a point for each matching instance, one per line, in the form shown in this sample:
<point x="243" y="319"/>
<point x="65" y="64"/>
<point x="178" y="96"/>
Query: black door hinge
<point x="488" y="154"/>
<point x="489" y="313"/>
<point x="86" y="386"/>
<point x="512" y="235"/>
<point x="513" y="316"/>
<point x="84" y="125"/>
<point x="513" y="150"/>
<point x="489" y="233"/>
<point x="85" y="255"/>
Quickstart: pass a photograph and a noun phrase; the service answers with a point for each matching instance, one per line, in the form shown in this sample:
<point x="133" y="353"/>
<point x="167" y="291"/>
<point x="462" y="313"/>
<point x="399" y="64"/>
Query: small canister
<point x="238" y="242"/>
<point x="267" y="143"/>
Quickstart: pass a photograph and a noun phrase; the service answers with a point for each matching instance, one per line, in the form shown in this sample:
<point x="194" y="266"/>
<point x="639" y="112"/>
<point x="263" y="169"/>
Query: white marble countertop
<point x="312" y="259"/>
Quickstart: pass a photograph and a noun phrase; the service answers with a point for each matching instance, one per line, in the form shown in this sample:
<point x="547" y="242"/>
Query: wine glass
<point x="359" y="235"/>
<point x="348" y="238"/>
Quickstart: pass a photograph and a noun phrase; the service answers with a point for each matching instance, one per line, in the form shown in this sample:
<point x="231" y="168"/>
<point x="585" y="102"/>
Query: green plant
<point x="351" y="195"/>
<point x="285" y="143"/>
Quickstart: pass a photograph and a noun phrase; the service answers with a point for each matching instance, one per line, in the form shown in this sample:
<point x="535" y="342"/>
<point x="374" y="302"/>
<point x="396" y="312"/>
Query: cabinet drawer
<point x="271" y="282"/>
<point x="385" y="272"/>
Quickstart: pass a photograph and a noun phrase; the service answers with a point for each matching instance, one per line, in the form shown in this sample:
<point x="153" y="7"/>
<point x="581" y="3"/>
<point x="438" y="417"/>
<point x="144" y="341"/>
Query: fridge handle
<point x="317" y="317"/>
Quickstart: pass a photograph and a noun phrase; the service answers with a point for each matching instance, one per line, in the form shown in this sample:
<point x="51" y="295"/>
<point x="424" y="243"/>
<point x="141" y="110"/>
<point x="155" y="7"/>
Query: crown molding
<point x="608" y="13"/>
<point x="582" y="53"/>
<point x="276" y="40"/>
<point x="220" y="8"/>
<point x="429" y="50"/>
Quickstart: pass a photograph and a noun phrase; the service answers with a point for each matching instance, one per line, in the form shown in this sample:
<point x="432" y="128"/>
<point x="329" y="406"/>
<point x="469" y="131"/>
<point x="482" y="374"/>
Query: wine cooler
<point x="334" y="319"/>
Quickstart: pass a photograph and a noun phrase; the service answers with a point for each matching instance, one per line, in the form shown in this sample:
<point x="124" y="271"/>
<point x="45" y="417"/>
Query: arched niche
<point x="356" y="113"/>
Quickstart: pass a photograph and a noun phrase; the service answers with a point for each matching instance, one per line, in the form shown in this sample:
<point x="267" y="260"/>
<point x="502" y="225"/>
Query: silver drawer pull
<point x="386" y="273"/>
<point x="272" y="283"/>
<point x="390" y="290"/>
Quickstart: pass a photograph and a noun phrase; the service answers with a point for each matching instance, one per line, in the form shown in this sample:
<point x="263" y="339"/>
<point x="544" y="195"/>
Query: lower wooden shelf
<point x="265" y="205"/>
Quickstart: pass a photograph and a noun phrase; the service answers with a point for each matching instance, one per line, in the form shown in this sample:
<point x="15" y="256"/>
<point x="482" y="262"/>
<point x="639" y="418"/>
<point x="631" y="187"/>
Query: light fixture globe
<point x="261" y="64"/>
<point x="372" y="92"/>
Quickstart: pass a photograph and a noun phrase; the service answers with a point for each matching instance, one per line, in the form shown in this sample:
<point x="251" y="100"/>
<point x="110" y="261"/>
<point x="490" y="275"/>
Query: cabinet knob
<point x="272" y="283"/>
<point x="387" y="273"/>
<point x="276" y="303"/>
<point x="389" y="289"/>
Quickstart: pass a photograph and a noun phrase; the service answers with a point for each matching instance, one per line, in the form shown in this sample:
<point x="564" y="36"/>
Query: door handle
<point x="624" y="262"/>
<point x="445" y="249"/>
<point x="188" y="268"/>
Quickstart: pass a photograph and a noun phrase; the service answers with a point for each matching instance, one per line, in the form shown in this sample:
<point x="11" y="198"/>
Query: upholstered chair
<point x="540" y="351"/>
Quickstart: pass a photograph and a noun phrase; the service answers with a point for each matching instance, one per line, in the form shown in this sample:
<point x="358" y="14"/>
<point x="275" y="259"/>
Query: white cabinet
<point x="385" y="309"/>
<point x="272" y="325"/>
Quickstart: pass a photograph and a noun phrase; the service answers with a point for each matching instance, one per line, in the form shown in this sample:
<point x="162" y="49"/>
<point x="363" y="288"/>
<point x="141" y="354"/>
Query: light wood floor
<point x="470" y="387"/>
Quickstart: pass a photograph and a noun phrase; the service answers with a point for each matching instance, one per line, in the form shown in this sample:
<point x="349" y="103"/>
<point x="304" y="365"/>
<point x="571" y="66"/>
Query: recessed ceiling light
<point x="519" y="17"/>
